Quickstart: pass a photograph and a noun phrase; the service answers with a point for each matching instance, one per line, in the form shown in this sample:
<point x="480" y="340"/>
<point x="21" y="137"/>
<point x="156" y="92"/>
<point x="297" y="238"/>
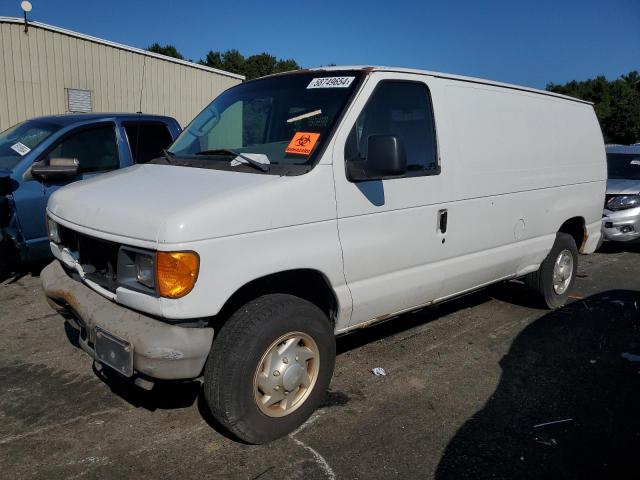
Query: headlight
<point x="54" y="232"/>
<point x="144" y="270"/>
<point x="623" y="202"/>
<point x="176" y="273"/>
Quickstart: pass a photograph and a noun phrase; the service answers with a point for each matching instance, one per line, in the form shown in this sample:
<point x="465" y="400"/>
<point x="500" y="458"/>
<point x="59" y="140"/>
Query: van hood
<point x="622" y="186"/>
<point x="174" y="204"/>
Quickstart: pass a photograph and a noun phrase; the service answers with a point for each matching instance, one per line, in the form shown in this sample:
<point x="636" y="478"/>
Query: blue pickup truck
<point x="40" y="155"/>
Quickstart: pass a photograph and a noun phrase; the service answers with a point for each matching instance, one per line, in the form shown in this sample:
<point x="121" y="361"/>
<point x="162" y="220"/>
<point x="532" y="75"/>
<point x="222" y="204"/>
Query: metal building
<point x="50" y="70"/>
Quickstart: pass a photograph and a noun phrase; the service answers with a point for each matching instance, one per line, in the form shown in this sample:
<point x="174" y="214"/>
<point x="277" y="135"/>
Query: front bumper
<point x="160" y="350"/>
<point x="621" y="226"/>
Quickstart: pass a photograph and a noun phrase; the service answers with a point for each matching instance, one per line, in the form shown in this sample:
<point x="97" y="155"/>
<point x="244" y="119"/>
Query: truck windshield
<point x="282" y="121"/>
<point x="623" y="165"/>
<point x="17" y="141"/>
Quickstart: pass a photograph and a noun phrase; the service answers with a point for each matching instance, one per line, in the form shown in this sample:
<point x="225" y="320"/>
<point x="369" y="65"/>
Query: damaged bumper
<point x="622" y="226"/>
<point x="155" y="348"/>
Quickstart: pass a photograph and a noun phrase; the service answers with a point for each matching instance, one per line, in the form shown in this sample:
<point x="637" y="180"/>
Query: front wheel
<point x="269" y="367"/>
<point x="557" y="273"/>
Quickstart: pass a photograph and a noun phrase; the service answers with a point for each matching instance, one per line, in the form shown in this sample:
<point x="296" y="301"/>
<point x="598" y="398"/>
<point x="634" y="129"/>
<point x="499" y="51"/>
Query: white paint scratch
<point x="322" y="463"/>
<point x="90" y="461"/>
<point x="553" y="423"/>
<point x="313" y="418"/>
<point x="37" y="431"/>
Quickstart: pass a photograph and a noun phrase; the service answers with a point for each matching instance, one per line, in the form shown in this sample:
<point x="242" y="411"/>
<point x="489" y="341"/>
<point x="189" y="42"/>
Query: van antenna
<point x="144" y="65"/>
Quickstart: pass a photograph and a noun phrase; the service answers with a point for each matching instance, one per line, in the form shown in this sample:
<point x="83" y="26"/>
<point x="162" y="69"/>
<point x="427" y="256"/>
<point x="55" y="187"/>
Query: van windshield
<point x="623" y="166"/>
<point x="279" y="121"/>
<point x="17" y="141"/>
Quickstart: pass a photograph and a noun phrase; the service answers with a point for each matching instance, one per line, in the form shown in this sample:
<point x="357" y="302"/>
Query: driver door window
<point x="96" y="149"/>
<point x="402" y="109"/>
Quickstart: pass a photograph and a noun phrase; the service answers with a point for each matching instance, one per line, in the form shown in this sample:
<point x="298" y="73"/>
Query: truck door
<point x="392" y="231"/>
<point x="96" y="149"/>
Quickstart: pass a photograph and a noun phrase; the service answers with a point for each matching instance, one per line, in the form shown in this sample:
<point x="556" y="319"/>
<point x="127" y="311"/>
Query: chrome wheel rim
<point x="286" y="374"/>
<point x="562" y="272"/>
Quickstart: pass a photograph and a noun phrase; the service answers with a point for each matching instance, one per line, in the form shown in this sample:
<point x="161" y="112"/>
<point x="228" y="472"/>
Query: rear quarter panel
<point x="527" y="156"/>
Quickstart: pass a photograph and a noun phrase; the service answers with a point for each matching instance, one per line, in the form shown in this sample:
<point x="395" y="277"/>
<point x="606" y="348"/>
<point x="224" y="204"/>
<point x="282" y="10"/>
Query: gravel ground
<point x="470" y="386"/>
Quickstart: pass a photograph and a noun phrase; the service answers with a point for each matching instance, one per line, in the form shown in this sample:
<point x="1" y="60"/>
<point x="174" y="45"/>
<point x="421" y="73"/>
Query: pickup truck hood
<point x="618" y="186"/>
<point x="173" y="204"/>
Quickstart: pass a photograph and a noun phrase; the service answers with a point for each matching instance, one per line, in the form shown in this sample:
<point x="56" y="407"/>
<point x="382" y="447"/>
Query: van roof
<point x="446" y="75"/>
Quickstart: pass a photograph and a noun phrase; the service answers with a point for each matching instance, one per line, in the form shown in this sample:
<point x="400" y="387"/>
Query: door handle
<point x="442" y="220"/>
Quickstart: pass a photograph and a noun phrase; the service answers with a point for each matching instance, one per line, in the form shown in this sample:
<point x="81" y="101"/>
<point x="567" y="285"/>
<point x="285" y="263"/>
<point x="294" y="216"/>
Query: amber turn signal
<point x="176" y="273"/>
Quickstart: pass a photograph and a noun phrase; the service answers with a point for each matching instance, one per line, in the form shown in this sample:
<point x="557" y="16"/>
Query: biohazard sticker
<point x="20" y="148"/>
<point x="302" y="143"/>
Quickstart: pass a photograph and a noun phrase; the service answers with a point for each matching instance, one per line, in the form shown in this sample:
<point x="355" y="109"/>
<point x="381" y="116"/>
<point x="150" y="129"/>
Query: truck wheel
<point x="269" y="367"/>
<point x="556" y="274"/>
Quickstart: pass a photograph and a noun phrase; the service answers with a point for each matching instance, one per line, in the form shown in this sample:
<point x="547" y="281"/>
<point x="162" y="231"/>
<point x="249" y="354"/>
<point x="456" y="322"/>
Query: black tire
<point x="542" y="280"/>
<point x="238" y="349"/>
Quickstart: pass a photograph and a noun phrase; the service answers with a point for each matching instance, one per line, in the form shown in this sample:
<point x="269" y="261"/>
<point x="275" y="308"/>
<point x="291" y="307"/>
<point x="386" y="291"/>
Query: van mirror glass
<point x="386" y="158"/>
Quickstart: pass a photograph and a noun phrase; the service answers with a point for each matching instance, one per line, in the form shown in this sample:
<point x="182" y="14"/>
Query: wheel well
<point x="309" y="284"/>
<point x="576" y="228"/>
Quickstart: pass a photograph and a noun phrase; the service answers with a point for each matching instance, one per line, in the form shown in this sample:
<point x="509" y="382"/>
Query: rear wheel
<point x="557" y="273"/>
<point x="269" y="367"/>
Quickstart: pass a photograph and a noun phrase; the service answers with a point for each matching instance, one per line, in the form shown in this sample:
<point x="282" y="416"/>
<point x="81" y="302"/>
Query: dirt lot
<point x="468" y="384"/>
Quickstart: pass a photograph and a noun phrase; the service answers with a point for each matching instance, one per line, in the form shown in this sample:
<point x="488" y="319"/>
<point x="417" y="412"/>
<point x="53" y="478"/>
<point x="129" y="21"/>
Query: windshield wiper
<point x="264" y="167"/>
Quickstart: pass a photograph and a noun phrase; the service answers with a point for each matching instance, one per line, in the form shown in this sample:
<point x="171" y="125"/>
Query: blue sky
<point x="518" y="41"/>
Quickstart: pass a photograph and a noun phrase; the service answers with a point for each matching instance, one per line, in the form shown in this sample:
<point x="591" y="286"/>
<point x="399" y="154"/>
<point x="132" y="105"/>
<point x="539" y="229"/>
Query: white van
<point x="304" y="205"/>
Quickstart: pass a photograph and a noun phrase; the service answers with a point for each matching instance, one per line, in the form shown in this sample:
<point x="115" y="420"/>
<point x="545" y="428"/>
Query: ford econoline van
<point x="302" y="206"/>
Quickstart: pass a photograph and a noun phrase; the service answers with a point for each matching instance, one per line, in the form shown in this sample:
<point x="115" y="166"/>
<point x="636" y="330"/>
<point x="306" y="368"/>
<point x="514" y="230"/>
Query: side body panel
<point x="514" y="166"/>
<point x="308" y="239"/>
<point x="247" y="227"/>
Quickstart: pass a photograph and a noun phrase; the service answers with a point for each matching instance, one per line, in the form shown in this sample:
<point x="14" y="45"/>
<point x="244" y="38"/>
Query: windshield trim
<point x="316" y="155"/>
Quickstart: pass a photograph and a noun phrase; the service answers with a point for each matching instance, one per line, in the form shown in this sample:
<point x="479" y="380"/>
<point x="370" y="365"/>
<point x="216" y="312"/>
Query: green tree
<point x="260" y="65"/>
<point x="168" y="50"/>
<point x="212" y="59"/>
<point x="251" y="67"/>
<point x="617" y="104"/>
<point x="286" y="65"/>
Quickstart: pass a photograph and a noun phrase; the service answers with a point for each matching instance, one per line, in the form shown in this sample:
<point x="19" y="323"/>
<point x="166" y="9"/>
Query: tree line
<point x="233" y="61"/>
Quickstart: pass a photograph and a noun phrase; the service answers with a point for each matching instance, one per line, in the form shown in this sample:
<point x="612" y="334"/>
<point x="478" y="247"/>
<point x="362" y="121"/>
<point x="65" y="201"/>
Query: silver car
<point x="621" y="222"/>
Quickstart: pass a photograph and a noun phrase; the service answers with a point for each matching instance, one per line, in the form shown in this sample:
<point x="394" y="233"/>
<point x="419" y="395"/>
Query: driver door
<point x="390" y="229"/>
<point x="96" y="149"/>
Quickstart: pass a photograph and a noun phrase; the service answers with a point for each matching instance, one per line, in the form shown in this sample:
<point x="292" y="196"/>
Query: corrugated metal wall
<point x="36" y="69"/>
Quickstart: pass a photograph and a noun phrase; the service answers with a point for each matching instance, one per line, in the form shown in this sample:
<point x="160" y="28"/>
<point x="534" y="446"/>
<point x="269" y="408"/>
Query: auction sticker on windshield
<point x="330" y="82"/>
<point x="302" y="143"/>
<point x="20" y="148"/>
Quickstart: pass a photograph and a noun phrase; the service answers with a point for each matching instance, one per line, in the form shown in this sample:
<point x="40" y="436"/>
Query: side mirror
<point x="386" y="158"/>
<point x="55" y="169"/>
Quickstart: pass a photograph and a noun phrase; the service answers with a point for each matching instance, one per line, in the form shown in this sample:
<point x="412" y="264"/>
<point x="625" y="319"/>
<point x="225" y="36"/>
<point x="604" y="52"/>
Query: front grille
<point x="99" y="258"/>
